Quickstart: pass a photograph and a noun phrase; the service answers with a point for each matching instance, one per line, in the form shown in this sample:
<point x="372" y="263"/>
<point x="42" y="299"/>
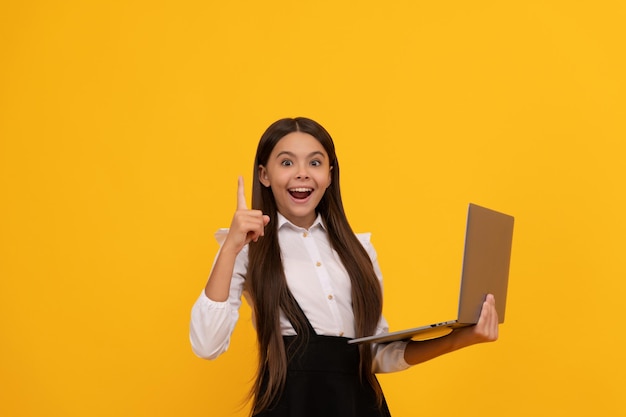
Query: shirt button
<point x="330" y="296"/>
<point x="318" y="264"/>
<point x="340" y="334"/>
<point x="305" y="234"/>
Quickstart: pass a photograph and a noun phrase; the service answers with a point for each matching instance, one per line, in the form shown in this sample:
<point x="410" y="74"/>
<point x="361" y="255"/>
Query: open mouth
<point x="300" y="193"/>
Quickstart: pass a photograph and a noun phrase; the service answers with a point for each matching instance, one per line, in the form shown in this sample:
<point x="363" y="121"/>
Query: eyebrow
<point x="315" y="153"/>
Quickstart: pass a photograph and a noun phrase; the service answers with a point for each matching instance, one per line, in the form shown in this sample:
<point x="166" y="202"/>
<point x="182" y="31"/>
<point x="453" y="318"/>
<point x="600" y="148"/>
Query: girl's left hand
<point x="486" y="330"/>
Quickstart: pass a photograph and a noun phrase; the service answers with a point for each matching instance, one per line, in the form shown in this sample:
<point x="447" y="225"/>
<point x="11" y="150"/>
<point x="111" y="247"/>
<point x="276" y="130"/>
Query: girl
<point x="312" y="284"/>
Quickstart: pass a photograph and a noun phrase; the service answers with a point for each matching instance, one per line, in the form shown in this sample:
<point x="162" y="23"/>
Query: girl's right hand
<point x="247" y="225"/>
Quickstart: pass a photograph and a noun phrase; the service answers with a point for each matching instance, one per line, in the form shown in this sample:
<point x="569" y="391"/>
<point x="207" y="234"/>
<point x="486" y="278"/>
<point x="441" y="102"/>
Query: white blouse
<point x="319" y="283"/>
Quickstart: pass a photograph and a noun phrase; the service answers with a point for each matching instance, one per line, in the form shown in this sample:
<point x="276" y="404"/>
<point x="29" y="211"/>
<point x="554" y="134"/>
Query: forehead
<point x="299" y="143"/>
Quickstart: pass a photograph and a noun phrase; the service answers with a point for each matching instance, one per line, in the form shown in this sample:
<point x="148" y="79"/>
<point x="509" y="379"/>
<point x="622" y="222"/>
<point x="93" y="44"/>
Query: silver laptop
<point x="486" y="260"/>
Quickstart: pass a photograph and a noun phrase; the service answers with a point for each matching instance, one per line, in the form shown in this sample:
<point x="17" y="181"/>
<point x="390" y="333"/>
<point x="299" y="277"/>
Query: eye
<point x="316" y="163"/>
<point x="286" y="163"/>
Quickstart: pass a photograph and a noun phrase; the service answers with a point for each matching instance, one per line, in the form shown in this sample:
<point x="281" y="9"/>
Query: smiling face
<point x="298" y="172"/>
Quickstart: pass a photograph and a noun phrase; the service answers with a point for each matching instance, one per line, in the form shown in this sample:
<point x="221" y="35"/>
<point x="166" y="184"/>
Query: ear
<point x="330" y="176"/>
<point x="263" y="177"/>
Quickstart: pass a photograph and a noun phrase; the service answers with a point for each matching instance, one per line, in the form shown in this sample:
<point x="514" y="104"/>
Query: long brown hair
<point x="266" y="281"/>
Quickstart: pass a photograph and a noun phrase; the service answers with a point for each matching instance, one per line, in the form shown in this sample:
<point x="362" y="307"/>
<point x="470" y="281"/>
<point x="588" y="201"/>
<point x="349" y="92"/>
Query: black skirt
<point x="323" y="381"/>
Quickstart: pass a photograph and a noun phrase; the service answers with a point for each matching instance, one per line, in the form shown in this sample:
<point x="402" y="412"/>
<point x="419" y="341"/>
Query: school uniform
<point x="323" y="377"/>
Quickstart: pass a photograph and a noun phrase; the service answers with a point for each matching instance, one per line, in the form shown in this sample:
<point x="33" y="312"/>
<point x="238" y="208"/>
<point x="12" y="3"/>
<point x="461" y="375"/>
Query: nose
<point x="302" y="173"/>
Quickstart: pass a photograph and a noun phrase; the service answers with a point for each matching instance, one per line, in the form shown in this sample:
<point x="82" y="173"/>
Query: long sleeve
<point x="213" y="322"/>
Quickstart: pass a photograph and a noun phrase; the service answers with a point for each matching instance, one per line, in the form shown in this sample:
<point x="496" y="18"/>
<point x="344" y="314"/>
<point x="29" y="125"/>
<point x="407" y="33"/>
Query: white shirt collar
<point x="282" y="220"/>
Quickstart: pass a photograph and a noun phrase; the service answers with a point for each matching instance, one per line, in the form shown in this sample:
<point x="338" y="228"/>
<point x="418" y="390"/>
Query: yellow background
<point x="124" y="125"/>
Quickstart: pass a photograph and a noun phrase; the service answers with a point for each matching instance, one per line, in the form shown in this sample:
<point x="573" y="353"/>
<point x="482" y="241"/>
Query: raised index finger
<point x="241" y="197"/>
